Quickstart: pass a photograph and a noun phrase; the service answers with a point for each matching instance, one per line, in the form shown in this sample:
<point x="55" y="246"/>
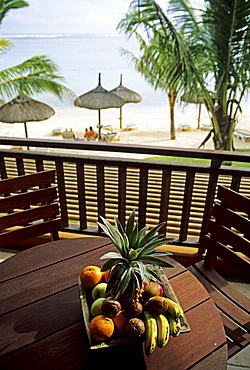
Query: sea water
<point x="81" y="57"/>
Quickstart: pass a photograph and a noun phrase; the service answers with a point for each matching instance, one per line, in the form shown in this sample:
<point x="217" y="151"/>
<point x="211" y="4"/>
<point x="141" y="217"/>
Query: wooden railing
<point x="109" y="184"/>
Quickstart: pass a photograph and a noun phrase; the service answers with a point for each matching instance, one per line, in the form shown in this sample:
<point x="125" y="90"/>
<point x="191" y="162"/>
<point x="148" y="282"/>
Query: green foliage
<point x="199" y="46"/>
<point x="6" y="5"/>
<point x="136" y="252"/>
<point x="35" y="75"/>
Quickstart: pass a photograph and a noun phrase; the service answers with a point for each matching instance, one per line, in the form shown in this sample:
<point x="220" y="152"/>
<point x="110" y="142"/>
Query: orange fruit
<point x="120" y="321"/>
<point x="91" y="276"/>
<point x="106" y="275"/>
<point x="101" y="327"/>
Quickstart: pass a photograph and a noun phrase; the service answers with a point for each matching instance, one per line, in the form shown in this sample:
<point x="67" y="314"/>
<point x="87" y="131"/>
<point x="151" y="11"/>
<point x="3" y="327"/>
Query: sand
<point x="150" y="128"/>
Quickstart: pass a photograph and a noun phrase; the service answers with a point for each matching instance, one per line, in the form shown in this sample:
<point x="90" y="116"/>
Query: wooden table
<point x="41" y="325"/>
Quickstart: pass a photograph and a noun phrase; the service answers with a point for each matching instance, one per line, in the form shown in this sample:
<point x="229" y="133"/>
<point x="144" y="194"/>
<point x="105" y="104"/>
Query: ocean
<point x="80" y="59"/>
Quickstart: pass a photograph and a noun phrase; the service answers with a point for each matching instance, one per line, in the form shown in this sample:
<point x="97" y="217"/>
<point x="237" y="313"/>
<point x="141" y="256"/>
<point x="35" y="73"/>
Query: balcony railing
<point x="100" y="179"/>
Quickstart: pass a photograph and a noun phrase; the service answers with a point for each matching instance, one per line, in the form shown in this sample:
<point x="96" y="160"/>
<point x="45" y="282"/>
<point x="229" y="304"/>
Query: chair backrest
<point x="28" y="208"/>
<point x="68" y="135"/>
<point x="229" y="231"/>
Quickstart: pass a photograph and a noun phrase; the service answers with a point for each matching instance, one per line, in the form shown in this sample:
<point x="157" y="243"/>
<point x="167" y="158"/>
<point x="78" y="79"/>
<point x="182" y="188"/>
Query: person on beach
<point x="90" y="134"/>
<point x="73" y="135"/>
<point x="68" y="134"/>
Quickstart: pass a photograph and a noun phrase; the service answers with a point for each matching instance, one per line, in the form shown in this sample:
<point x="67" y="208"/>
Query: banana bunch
<point x="163" y="330"/>
<point x="174" y="325"/>
<point x="157" y="331"/>
<point x="174" y="309"/>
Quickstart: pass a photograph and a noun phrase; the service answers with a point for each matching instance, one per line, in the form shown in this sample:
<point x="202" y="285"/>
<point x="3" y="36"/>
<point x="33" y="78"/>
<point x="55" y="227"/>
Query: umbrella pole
<point x="120" y="118"/>
<point x="99" y="124"/>
<point x="26" y="133"/>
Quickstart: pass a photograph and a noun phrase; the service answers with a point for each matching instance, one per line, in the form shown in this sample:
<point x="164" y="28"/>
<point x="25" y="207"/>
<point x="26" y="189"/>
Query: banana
<point x="150" y="333"/>
<point x="174" y="309"/>
<point x="174" y="325"/>
<point x="163" y="330"/>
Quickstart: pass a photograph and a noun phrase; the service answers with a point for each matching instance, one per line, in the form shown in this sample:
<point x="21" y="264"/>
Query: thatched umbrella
<point x="2" y="102"/>
<point x="23" y="109"/>
<point x="98" y="99"/>
<point x="194" y="99"/>
<point x="129" y="96"/>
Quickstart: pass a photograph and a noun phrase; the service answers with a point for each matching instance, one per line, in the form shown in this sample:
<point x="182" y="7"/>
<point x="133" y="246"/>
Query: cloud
<point x="63" y="16"/>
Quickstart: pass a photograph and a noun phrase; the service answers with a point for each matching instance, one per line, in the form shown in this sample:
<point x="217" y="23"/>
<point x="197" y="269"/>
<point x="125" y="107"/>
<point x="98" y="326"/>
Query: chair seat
<point x="233" y="306"/>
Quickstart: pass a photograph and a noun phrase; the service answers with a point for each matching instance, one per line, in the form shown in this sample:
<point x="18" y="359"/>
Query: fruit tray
<point x="86" y="301"/>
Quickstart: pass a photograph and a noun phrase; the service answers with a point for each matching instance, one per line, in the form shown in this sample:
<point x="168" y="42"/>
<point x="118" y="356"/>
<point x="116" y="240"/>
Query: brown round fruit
<point x="134" y="309"/>
<point x="135" y="329"/>
<point x="110" y="307"/>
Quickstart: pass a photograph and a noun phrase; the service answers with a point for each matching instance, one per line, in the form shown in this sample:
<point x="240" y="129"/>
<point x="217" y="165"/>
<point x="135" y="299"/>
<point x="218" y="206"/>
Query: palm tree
<point x="6" y="5"/>
<point x="152" y="64"/>
<point x="222" y="40"/>
<point x="35" y="75"/>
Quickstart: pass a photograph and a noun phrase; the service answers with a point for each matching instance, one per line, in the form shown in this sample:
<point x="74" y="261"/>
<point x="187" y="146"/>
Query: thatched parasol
<point x="129" y="96"/>
<point x="98" y="99"/>
<point x="23" y="109"/>
<point x="2" y="102"/>
<point x="194" y="99"/>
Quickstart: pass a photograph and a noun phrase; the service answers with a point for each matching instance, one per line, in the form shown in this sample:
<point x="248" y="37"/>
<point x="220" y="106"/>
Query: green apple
<point x="99" y="291"/>
<point x="96" y="308"/>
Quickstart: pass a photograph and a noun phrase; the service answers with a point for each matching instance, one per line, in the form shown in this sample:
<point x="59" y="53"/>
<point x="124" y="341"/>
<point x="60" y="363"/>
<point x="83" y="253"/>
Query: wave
<point x="63" y="35"/>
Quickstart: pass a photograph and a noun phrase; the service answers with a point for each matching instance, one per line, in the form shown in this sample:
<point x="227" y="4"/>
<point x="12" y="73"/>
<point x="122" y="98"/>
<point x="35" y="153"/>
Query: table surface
<point x="41" y="324"/>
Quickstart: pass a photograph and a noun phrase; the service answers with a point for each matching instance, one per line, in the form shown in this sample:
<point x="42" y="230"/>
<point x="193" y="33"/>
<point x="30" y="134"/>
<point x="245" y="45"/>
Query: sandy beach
<point x="151" y="128"/>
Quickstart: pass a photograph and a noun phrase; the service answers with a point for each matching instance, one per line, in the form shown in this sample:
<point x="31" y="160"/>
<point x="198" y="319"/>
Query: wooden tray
<point x="86" y="302"/>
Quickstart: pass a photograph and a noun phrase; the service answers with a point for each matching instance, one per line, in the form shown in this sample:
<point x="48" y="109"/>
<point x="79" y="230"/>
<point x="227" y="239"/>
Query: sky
<point x="66" y="17"/>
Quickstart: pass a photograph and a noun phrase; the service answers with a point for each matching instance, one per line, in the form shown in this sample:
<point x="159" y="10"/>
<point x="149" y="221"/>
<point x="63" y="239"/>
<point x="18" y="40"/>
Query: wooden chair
<point x="228" y="240"/>
<point x="28" y="208"/>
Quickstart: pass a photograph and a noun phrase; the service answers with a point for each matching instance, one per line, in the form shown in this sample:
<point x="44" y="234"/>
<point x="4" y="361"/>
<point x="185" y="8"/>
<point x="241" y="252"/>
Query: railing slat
<point x="187" y="200"/>
<point x="81" y="196"/>
<point x="165" y="193"/>
<point x="235" y="184"/>
<point x="3" y="168"/>
<point x="20" y="166"/>
<point x="100" y="191"/>
<point x="39" y="165"/>
<point x="122" y="183"/>
<point x="143" y="197"/>
<point x="211" y="189"/>
<point x="62" y="194"/>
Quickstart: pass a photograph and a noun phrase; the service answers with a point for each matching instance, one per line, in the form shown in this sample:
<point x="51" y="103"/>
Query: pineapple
<point x="136" y="252"/>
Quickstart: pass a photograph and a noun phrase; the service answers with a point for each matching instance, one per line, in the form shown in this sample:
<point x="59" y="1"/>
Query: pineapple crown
<point x="136" y="252"/>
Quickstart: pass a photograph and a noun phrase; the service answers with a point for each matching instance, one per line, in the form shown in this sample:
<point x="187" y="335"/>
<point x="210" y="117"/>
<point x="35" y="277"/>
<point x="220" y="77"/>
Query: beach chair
<point x="184" y="127"/>
<point x="68" y="135"/>
<point x="228" y="242"/>
<point x="243" y="135"/>
<point x="28" y="208"/>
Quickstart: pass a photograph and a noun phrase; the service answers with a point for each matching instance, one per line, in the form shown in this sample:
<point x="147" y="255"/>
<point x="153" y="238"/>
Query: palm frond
<point x="111" y="263"/>
<point x="152" y="260"/>
<point x="113" y="234"/>
<point x="4" y="45"/>
<point x="35" y="75"/>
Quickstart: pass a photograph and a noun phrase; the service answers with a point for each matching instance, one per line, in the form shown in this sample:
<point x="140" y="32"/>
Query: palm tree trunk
<point x="171" y="100"/>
